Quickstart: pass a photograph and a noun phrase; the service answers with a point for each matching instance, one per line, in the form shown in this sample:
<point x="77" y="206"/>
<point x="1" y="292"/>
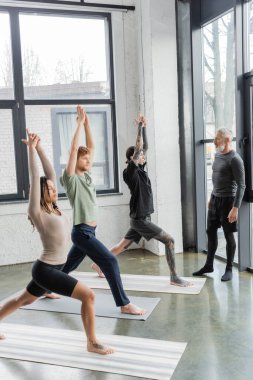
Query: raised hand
<point x="81" y="115"/>
<point x="144" y="122"/>
<point x="138" y="120"/>
<point x="141" y="119"/>
<point x="32" y="139"/>
<point x="38" y="146"/>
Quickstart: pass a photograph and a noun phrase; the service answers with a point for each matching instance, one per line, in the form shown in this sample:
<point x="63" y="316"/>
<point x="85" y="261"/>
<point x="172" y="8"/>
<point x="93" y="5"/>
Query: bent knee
<point x="112" y="260"/>
<point x="27" y="301"/>
<point x="165" y="238"/>
<point x="88" y="295"/>
<point x="91" y="295"/>
<point x="172" y="240"/>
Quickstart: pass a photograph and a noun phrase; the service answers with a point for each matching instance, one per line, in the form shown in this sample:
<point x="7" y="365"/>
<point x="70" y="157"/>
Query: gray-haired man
<point x="228" y="189"/>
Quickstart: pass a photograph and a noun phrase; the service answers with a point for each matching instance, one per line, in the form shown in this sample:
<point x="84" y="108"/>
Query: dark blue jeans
<point x="85" y="243"/>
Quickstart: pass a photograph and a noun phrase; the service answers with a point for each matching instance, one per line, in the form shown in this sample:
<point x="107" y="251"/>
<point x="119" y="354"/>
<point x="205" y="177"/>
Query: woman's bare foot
<point x="99" y="348"/>
<point x="53" y="296"/>
<point x="132" y="309"/>
<point x="175" y="280"/>
<point x="2" y="337"/>
<point x="96" y="268"/>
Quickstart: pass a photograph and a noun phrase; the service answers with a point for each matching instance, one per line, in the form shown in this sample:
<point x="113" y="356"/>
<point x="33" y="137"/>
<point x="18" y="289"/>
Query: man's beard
<point x="220" y="149"/>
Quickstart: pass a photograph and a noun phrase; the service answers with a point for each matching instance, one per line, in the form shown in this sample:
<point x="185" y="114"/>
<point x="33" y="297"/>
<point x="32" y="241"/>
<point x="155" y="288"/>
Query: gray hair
<point x="225" y="132"/>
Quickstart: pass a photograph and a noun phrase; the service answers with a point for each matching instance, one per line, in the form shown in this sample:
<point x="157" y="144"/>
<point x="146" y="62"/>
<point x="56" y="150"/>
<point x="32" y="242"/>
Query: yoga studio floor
<point x="216" y="324"/>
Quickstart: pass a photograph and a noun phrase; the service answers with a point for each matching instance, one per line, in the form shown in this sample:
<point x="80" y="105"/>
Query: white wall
<point x="146" y="80"/>
<point x="159" y="94"/>
<point x="165" y="99"/>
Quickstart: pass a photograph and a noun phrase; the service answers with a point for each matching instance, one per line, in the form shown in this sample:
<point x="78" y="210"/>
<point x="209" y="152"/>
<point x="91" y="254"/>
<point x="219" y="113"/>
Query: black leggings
<point x="47" y="277"/>
<point x="213" y="244"/>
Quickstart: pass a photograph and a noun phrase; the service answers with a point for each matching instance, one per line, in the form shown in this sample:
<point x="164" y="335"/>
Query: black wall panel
<point x="211" y="9"/>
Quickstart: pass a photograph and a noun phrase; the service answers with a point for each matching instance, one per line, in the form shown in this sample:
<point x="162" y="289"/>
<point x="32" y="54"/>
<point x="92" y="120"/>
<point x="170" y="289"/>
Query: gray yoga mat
<point x="104" y="306"/>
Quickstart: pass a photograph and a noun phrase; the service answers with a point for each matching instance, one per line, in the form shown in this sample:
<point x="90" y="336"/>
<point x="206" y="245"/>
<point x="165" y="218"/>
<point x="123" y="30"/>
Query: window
<point x="100" y="118"/>
<point x="219" y="92"/>
<point x="55" y="125"/>
<point x="249" y="111"/>
<point x="249" y="36"/>
<point x="6" y="69"/>
<point x="8" y="183"/>
<point x="9" y="186"/>
<point x="63" y="62"/>
<point x="60" y="68"/>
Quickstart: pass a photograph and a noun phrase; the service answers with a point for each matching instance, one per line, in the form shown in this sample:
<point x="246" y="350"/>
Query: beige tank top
<point x="54" y="229"/>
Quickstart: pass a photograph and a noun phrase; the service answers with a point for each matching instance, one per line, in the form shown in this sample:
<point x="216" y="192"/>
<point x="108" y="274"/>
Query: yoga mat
<point x="104" y="306"/>
<point x="146" y="358"/>
<point x="157" y="284"/>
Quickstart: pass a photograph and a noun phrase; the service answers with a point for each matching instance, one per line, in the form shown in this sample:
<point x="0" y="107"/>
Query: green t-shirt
<point x="82" y="196"/>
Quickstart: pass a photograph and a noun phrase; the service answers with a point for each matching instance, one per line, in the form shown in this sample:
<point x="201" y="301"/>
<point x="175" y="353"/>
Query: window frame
<point x="244" y="230"/>
<point x="19" y="103"/>
<point x="56" y="137"/>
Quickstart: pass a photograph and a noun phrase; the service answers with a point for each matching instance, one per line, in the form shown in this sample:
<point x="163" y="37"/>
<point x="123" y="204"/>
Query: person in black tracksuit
<point x="141" y="205"/>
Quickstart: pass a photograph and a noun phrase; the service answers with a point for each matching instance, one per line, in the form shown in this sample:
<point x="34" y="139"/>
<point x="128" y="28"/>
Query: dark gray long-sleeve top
<point x="145" y="139"/>
<point x="229" y="176"/>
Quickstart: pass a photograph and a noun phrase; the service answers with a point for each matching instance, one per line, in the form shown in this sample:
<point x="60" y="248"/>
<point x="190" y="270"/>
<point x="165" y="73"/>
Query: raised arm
<point x="89" y="138"/>
<point x="76" y="141"/>
<point x="144" y="133"/>
<point x="46" y="164"/>
<point x="138" y="145"/>
<point x="34" y="196"/>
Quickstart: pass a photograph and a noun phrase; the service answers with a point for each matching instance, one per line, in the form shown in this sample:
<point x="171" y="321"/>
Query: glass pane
<point x="251" y="223"/>
<point x="8" y="183"/>
<point x="219" y="75"/>
<point x="61" y="60"/>
<point x="56" y="125"/>
<point x="210" y="152"/>
<point x="219" y="94"/>
<point x="249" y="67"/>
<point x="6" y="71"/>
<point x="249" y="64"/>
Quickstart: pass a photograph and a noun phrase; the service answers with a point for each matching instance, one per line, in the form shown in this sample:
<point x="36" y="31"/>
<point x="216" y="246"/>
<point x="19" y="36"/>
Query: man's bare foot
<point x="96" y="268"/>
<point x="99" y="348"/>
<point x="132" y="309"/>
<point x="53" y="296"/>
<point x="175" y="280"/>
<point x="2" y="337"/>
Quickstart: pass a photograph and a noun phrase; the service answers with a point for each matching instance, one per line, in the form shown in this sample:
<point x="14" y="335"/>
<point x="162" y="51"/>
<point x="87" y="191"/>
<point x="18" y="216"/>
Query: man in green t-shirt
<point x="77" y="182"/>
